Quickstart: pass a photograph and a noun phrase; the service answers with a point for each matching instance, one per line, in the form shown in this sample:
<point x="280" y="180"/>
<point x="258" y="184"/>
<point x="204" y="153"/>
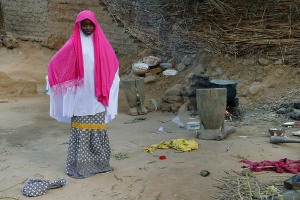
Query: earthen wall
<point x="26" y="19"/>
<point x="51" y="22"/>
<point x="1" y="19"/>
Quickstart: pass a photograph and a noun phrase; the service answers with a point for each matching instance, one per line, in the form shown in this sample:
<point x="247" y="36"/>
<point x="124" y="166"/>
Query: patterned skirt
<point x="89" y="149"/>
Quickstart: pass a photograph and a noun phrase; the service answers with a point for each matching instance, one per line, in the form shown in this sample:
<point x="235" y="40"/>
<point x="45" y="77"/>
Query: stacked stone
<point x="193" y="82"/>
<point x="176" y="96"/>
<point x="172" y="99"/>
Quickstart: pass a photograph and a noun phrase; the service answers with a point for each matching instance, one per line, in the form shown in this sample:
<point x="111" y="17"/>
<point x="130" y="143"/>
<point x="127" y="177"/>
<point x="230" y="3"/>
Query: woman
<point x="84" y="86"/>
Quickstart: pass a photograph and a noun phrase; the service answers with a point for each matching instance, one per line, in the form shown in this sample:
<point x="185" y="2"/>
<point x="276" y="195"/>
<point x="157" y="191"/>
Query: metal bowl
<point x="276" y="131"/>
<point x="165" y="65"/>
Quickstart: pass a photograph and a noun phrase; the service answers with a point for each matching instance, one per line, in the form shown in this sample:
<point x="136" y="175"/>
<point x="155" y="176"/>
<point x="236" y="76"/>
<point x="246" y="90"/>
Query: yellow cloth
<point x="178" y="144"/>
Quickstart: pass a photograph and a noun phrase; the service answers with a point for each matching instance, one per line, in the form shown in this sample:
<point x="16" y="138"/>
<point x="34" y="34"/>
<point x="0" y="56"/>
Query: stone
<point x="204" y="173"/>
<point x="218" y="71"/>
<point x="187" y="60"/>
<point x="193" y="82"/>
<point x="171" y="60"/>
<point x="10" y="42"/>
<point x="263" y="61"/>
<point x="295" y="114"/>
<point x="248" y="62"/>
<point x="175" y="90"/>
<point x="170" y="106"/>
<point x="166" y="107"/>
<point x="278" y="62"/>
<point x="152" y="105"/>
<point x="145" y="52"/>
<point x="150" y="79"/>
<point x="175" y="107"/>
<point x="257" y="88"/>
<point x="180" y="67"/>
<point x="292" y="194"/>
<point x="173" y="99"/>
<point x="227" y="56"/>
<point x="293" y="183"/>
<point x="282" y="111"/>
<point x="284" y="105"/>
<point x="199" y="69"/>
<point x="296" y="105"/>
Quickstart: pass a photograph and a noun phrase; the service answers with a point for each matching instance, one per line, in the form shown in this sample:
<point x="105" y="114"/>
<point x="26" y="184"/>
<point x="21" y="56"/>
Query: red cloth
<point x="280" y="166"/>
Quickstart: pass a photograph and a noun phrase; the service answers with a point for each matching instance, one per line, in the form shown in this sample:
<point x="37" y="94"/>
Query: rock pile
<point x="176" y="96"/>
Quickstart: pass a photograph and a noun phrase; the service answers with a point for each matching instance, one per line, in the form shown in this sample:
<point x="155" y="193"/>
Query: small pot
<point x="276" y="132"/>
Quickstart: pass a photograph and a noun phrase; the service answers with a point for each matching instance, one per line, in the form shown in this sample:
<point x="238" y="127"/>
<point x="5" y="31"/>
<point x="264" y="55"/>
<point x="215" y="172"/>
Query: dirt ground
<point x="35" y="146"/>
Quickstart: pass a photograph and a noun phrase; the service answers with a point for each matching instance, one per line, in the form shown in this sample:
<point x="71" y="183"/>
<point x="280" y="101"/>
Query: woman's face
<point x="87" y="26"/>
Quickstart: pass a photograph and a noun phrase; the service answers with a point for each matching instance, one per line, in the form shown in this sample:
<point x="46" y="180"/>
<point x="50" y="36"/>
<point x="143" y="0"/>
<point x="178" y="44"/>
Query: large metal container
<point x="230" y="85"/>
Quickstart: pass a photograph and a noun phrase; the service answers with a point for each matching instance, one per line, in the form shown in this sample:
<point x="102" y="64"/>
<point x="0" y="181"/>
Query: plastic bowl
<point x="193" y="125"/>
<point x="170" y="72"/>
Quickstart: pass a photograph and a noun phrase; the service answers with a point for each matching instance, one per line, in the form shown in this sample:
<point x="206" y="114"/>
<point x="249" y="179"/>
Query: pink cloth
<point x="66" y="67"/>
<point x="281" y="166"/>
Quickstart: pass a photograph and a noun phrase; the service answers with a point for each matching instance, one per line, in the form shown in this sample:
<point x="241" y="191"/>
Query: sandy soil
<point x="35" y="146"/>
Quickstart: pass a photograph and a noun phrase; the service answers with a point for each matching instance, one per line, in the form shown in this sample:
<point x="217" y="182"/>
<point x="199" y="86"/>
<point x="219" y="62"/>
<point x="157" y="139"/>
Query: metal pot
<point x="230" y="85"/>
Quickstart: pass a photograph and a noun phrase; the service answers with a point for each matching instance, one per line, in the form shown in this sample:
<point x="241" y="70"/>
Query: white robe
<point x="83" y="101"/>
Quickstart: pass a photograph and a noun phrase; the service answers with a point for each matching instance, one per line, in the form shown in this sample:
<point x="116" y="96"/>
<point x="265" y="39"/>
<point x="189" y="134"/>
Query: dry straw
<point x="234" y="27"/>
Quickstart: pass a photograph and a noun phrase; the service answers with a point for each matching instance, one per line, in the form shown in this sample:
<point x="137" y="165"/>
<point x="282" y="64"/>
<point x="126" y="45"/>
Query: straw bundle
<point x="235" y="27"/>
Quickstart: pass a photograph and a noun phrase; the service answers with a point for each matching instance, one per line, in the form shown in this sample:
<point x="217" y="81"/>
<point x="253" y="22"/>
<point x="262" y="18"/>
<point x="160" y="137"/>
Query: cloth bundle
<point x="37" y="187"/>
<point x="177" y="144"/>
<point x="280" y="166"/>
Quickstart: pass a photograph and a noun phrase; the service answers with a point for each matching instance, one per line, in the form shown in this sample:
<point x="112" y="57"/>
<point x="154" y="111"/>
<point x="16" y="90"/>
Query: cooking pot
<point x="230" y="85"/>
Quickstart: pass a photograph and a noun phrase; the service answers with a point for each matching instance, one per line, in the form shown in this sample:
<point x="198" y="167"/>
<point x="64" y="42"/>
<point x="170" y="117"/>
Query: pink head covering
<point x="66" y="67"/>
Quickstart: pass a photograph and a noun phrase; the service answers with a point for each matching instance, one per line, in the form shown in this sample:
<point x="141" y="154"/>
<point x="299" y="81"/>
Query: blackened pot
<point x="230" y="85"/>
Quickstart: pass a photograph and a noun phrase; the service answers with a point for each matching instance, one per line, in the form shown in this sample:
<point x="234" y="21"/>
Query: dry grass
<point x="237" y="186"/>
<point x="235" y="27"/>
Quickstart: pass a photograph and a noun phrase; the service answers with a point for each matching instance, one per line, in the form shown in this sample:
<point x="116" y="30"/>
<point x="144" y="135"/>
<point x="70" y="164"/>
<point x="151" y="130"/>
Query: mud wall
<point x="26" y="19"/>
<point x="51" y="22"/>
<point x="173" y="27"/>
<point x="1" y="19"/>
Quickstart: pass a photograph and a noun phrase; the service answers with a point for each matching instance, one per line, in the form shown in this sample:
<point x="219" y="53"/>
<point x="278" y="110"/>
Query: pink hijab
<point x="66" y="67"/>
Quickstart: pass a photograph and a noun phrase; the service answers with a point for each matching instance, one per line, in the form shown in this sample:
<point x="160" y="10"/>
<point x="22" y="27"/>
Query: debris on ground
<point x="293" y="183"/>
<point x="235" y="186"/>
<point x="135" y="120"/>
<point x="204" y="173"/>
<point x="177" y="144"/>
<point x="121" y="156"/>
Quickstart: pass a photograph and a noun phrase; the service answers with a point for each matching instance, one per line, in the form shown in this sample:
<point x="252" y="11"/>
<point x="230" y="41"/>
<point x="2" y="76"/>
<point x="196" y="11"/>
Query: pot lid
<point x="223" y="82"/>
